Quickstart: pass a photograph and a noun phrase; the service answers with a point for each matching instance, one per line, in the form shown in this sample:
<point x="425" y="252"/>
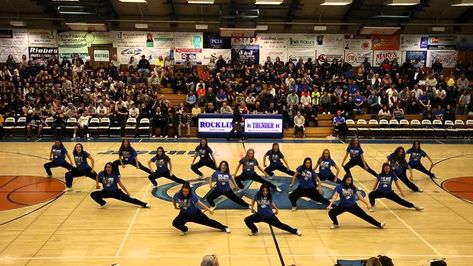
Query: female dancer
<point x="222" y="179"/>
<point x="266" y="212"/>
<point x="398" y="163"/>
<point x="58" y="158"/>
<point x="309" y="185"/>
<point x="110" y="183"/>
<point x="82" y="167"/>
<point x="416" y="154"/>
<point x="206" y="158"/>
<point x="249" y="162"/>
<point x="187" y="202"/>
<point x="324" y="164"/>
<point x="347" y="192"/>
<point x="383" y="189"/>
<point x="356" y="157"/>
<point x="163" y="168"/>
<point x="275" y="157"/>
<point x="127" y="155"/>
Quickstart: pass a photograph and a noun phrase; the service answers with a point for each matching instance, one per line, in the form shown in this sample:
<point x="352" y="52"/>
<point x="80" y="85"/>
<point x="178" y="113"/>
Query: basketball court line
<point x="133" y="220"/>
<point x="400" y="219"/>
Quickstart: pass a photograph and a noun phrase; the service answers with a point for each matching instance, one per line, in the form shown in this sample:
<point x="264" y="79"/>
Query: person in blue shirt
<point x="110" y="189"/>
<point x="206" y="158"/>
<point x="188" y="205"/>
<point x="324" y="164"/>
<point x="355" y="152"/>
<point x="249" y="164"/>
<point x="398" y="163"/>
<point x="309" y="184"/>
<point x="163" y="168"/>
<point x="383" y="189"/>
<point x="416" y="154"/>
<point x="82" y="166"/>
<point x="348" y="193"/>
<point x="58" y="158"/>
<point x="266" y="212"/>
<point x="341" y="128"/>
<point x="275" y="156"/>
<point x="127" y="155"/>
<point x="222" y="178"/>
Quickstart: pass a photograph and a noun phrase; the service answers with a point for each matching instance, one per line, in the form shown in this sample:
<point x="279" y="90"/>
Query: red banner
<point x="386" y="42"/>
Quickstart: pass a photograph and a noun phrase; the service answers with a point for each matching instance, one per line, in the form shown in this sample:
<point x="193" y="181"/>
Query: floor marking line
<point x="133" y="220"/>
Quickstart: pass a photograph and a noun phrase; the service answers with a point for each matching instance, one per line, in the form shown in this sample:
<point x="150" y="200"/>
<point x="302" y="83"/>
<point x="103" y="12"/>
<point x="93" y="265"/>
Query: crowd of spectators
<point x="65" y="88"/>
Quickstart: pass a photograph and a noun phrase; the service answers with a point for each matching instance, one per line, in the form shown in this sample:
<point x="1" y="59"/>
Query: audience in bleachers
<point x="38" y="89"/>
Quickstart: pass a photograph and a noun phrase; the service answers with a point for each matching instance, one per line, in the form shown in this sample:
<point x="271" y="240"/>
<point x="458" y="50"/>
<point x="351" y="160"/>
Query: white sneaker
<point x="334" y="226"/>
<point x="278" y="189"/>
<point x="436" y="177"/>
<point x="166" y="136"/>
<point x="49" y="176"/>
<point x="161" y="136"/>
<point x="252" y="234"/>
<point x="298" y="232"/>
<point x="419" y="208"/>
<point x="294" y="209"/>
<point x="182" y="233"/>
<point x="102" y="206"/>
<point x="213" y="209"/>
<point x="73" y="139"/>
<point x="227" y="230"/>
<point x="155" y="187"/>
<point x="420" y="190"/>
<point x="270" y="177"/>
<point x="371" y="209"/>
<point x="175" y="137"/>
<point x="382" y="225"/>
<point x="68" y="189"/>
<point x="148" y="205"/>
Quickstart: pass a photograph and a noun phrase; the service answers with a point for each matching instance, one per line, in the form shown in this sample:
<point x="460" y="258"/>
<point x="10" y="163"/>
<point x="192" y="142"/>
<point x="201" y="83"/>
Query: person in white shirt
<point x="305" y="100"/>
<point x="134" y="112"/>
<point x="299" y="122"/>
<point x="225" y="109"/>
<point x="101" y="110"/>
<point x="82" y="125"/>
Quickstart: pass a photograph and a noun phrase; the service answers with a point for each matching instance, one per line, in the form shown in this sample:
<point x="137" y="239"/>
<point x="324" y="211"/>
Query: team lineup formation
<point x="306" y="181"/>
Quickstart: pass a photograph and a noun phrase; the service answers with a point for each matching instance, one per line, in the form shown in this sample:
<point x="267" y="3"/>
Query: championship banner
<point x="386" y="42"/>
<point x="380" y="56"/>
<point x="448" y="59"/>
<point x="14" y="42"/>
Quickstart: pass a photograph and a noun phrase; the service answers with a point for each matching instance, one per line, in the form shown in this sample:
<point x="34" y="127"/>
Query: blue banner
<point x="214" y="41"/>
<point x="412" y="56"/>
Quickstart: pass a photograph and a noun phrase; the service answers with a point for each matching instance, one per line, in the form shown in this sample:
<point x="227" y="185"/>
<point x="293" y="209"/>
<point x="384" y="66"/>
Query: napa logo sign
<point x="281" y="199"/>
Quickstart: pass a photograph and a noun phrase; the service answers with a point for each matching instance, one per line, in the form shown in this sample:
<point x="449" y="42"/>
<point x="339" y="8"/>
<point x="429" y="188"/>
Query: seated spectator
<point x="341" y="128"/>
<point x="325" y="102"/>
<point x="311" y="115"/>
<point x="384" y="113"/>
<point x="190" y="100"/>
<point x="82" y="126"/>
<point x="160" y="120"/>
<point x="427" y="114"/>
<point x="196" y="110"/>
<point x="299" y="122"/>
<point x="358" y="102"/>
<point x="225" y="109"/>
<point x="144" y="66"/>
<point x="34" y="122"/>
<point x="462" y="105"/>
<point x="438" y="113"/>
<point x="59" y="124"/>
<point x="449" y="113"/>
<point x="134" y="112"/>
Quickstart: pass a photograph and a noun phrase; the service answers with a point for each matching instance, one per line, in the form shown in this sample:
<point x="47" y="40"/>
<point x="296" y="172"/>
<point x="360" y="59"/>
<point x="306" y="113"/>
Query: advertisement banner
<point x="355" y="58"/>
<point x="272" y="41"/>
<point x="380" y="56"/>
<point x="161" y="40"/>
<point x="442" y="42"/>
<point x="357" y="43"/>
<point x="189" y="40"/>
<point x="101" y="55"/>
<point x="413" y="56"/>
<point x="386" y="42"/>
<point x="464" y="42"/>
<point x="273" y="53"/>
<point x="301" y="41"/>
<point x="260" y="126"/>
<point x="15" y="43"/>
<point x="243" y="53"/>
<point x="181" y="55"/>
<point x="208" y="54"/>
<point x="328" y="55"/>
<point x="42" y="38"/>
<point x="329" y="47"/>
<point x="243" y="41"/>
<point x="448" y="59"/>
<point x="414" y="42"/>
<point x="39" y="52"/>
<point x="72" y="42"/>
<point x="295" y="53"/>
<point x="214" y="41"/>
<point x="124" y="54"/>
<point x="131" y="39"/>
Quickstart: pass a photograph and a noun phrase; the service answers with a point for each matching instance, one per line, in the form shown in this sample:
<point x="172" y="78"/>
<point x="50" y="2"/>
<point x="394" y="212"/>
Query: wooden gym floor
<point x="67" y="229"/>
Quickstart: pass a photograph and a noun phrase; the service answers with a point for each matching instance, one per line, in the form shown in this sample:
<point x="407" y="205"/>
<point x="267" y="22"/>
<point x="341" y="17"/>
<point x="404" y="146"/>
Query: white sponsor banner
<point x="448" y="58"/>
<point x="215" y="124"/>
<point x="72" y="42"/>
<point x="272" y="41"/>
<point x="263" y="125"/>
<point x="244" y="41"/>
<point x="194" y="55"/>
<point x="301" y="41"/>
<point x="329" y="47"/>
<point x="208" y="54"/>
<point x="16" y="46"/>
<point x="272" y="53"/>
<point x="163" y="40"/>
<point x="42" y="38"/>
<point x="129" y="39"/>
<point x="101" y="55"/>
<point x="355" y="58"/>
<point x="124" y="54"/>
<point x="357" y="44"/>
<point x="296" y="53"/>
<point x="189" y="40"/>
<point x="379" y="56"/>
<point x="328" y="55"/>
<point x="412" y="42"/>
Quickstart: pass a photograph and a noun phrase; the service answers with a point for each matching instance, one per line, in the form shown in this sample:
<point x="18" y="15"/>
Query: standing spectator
<point x="437" y="67"/>
<point x="160" y="120"/>
<point x="462" y="106"/>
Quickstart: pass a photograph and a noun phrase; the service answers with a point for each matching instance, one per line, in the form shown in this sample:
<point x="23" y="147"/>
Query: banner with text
<point x="355" y="58"/>
<point x="416" y="57"/>
<point x="72" y="42"/>
<point x="214" y="41"/>
<point x="39" y="52"/>
<point x="42" y="38"/>
<point x="380" y="56"/>
<point x="189" y="40"/>
<point x="414" y="42"/>
<point x="305" y="53"/>
<point x="243" y="53"/>
<point x="15" y="43"/>
<point x="301" y="41"/>
<point x="208" y="54"/>
<point x="386" y="42"/>
<point x="448" y="58"/>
